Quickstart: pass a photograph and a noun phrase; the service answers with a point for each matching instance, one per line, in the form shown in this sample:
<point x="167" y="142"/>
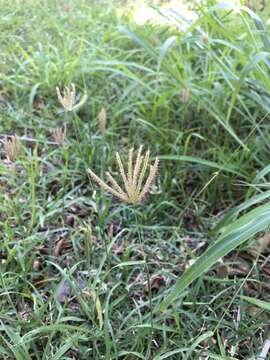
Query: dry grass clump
<point x="136" y="183"/>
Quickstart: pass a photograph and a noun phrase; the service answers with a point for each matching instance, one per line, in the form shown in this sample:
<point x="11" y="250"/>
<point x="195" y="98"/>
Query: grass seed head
<point x="60" y="134"/>
<point x="68" y="98"/>
<point x="12" y="146"/>
<point x="135" y="182"/>
<point x="102" y="116"/>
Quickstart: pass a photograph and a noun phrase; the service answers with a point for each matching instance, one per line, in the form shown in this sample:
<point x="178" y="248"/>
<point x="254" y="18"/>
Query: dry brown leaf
<point x="260" y="245"/>
<point x="223" y="271"/>
<point x="58" y="247"/>
<point x="157" y="281"/>
<point x="118" y="249"/>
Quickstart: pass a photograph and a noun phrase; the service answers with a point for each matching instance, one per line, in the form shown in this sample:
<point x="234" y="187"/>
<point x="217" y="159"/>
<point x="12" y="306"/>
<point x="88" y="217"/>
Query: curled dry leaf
<point x="157" y="281"/>
<point x="58" y="247"/>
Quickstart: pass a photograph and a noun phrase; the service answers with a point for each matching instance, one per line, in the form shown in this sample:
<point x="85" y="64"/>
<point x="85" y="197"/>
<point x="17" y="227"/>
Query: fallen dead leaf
<point x="58" y="247"/>
<point x="157" y="281"/>
<point x="260" y="245"/>
<point x="223" y="271"/>
<point x="118" y="249"/>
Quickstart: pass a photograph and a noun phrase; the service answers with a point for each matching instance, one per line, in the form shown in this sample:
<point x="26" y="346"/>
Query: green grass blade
<point x="232" y="214"/>
<point x="202" y="162"/>
<point x="243" y="229"/>
<point x="260" y="303"/>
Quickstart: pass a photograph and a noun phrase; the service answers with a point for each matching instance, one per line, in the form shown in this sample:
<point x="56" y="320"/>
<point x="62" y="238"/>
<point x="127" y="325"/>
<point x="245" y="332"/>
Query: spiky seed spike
<point x="73" y="92"/>
<point x="105" y="186"/>
<point x="137" y="167"/>
<point x="114" y="183"/>
<point x="150" y="179"/>
<point x="132" y="193"/>
<point x="130" y="167"/>
<point x="59" y="135"/>
<point x="102" y="120"/>
<point x="58" y="94"/>
<point x="68" y="99"/>
<point x="142" y="174"/>
<point x="122" y="172"/>
<point x="12" y="147"/>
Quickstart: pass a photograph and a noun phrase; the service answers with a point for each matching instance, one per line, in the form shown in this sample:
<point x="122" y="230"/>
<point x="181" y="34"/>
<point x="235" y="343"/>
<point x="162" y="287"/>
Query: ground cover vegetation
<point x="161" y="252"/>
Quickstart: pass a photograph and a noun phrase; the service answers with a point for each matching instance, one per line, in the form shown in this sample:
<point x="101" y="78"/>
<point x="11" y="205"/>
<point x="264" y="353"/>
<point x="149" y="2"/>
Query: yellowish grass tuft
<point x="135" y="182"/>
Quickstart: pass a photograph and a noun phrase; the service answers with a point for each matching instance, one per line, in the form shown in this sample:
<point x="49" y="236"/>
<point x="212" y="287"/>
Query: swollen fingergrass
<point x="136" y="183"/>
<point x="67" y="98"/>
<point x="102" y="117"/>
<point x="59" y="135"/>
<point x="12" y="146"/>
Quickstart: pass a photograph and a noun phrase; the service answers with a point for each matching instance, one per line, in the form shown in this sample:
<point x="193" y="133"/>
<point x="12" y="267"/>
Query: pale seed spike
<point x="59" y="96"/>
<point x="66" y="98"/>
<point x="142" y="174"/>
<point x="102" y="120"/>
<point x="150" y="179"/>
<point x="114" y="183"/>
<point x="137" y="167"/>
<point x="12" y="147"/>
<point x="105" y="186"/>
<point x="65" y="131"/>
<point x="122" y="172"/>
<point x="73" y="93"/>
<point x="130" y="167"/>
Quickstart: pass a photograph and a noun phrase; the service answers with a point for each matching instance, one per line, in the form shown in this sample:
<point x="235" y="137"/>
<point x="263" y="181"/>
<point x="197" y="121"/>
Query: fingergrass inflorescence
<point x="12" y="146"/>
<point x="102" y="116"/>
<point x="59" y="135"/>
<point x="68" y="98"/>
<point x="136" y="184"/>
